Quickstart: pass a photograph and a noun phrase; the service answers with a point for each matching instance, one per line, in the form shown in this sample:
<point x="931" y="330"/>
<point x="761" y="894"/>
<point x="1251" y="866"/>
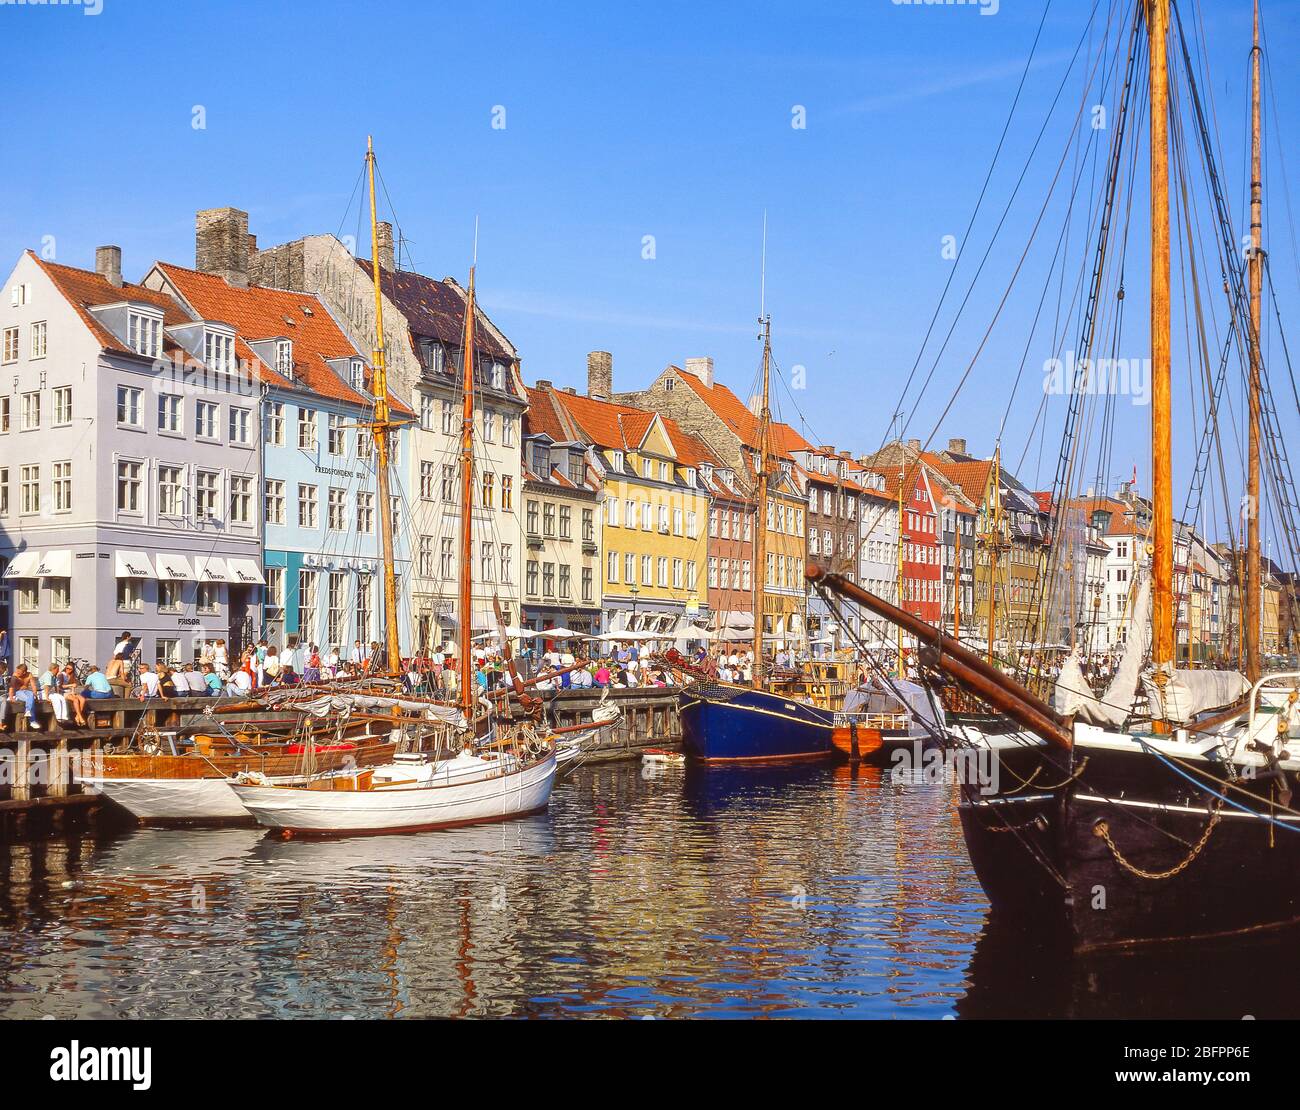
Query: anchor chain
<point x="1102" y="830"/>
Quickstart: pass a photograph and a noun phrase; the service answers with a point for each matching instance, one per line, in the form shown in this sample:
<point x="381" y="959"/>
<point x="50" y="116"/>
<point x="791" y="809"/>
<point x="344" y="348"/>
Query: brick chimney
<point x="914" y="445"/>
<point x="108" y="264"/>
<point x="957" y="446"/>
<point x="385" y="236"/>
<point x="221" y="244"/>
<point x="543" y="385"/>
<point x="600" y="375"/>
<point x="702" y="368"/>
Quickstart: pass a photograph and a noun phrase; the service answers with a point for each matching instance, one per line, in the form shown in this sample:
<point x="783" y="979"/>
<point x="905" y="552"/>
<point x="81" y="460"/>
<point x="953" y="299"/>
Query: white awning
<point x="55" y="564"/>
<point x="23" y="565"/>
<point x="174" y="568"/>
<point x="134" y="564"/>
<point x="246" y="572"/>
<point x="211" y="568"/>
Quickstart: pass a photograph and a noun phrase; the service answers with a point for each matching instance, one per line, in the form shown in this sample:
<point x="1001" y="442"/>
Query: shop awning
<point x="134" y="564"/>
<point x="54" y="564"/>
<point x="211" y="568"/>
<point x="23" y="565"/>
<point x="174" y="568"/>
<point x="246" y="572"/>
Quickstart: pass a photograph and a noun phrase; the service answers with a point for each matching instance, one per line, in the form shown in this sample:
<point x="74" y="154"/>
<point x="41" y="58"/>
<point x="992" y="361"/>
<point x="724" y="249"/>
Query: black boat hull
<point x="1159" y="872"/>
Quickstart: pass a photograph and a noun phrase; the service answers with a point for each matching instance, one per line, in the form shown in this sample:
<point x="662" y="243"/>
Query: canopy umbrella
<point x="557" y="634"/>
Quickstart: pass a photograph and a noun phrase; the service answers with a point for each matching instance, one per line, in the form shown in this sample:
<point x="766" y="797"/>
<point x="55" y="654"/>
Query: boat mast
<point x="1162" y="494"/>
<point x="956" y="574"/>
<point x="380" y="427"/>
<point x="1251" y="617"/>
<point x="760" y="509"/>
<point x="993" y="541"/>
<point x="902" y="474"/>
<point x="467" y="503"/>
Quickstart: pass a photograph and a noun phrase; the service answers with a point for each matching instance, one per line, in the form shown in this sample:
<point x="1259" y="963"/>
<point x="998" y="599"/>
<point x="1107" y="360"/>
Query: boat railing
<point x="883" y="721"/>
<point x="1271" y="711"/>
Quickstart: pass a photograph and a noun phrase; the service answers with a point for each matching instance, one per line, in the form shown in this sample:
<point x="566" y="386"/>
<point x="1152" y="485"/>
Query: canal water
<point x="799" y="892"/>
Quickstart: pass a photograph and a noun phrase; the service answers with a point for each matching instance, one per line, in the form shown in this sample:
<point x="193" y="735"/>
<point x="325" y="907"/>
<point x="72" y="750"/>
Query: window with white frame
<point x="306" y="605"/>
<point x="273" y="495"/>
<point x="365" y="513"/>
<point x="219" y="351"/>
<point x="239" y="425"/>
<point x="306" y="506"/>
<point x="128" y="486"/>
<point x="62" y="487"/>
<point x="30" y="412"/>
<point x="144" y="334"/>
<point x="10" y="345"/>
<point x="507" y="560"/>
<point x="205" y="419"/>
<point x="206" y="494"/>
<point x="336" y="511"/>
<point x="428" y="481"/>
<point x="335" y="436"/>
<point x="284" y="358"/>
<point x="170" y="413"/>
<point x="130" y="598"/>
<point x="449" y="421"/>
<point x="38" y="339"/>
<point x="241" y="499"/>
<point x="275" y="587"/>
<point x="275" y="424"/>
<point x="306" y="429"/>
<point x="171" y="484"/>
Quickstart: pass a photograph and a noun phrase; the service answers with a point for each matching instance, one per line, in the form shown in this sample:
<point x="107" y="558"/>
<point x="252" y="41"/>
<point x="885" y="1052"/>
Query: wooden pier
<point x="649" y="719"/>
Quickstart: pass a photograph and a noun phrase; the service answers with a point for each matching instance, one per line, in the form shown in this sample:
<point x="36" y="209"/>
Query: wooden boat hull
<point x="401" y="809"/>
<point x="1040" y="853"/>
<point x="752" y="726"/>
<point x="193" y="789"/>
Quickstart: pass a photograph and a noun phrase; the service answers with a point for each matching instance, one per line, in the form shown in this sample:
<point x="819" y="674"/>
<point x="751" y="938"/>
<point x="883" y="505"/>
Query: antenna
<point x="476" y="240"/>
<point x="762" y="282"/>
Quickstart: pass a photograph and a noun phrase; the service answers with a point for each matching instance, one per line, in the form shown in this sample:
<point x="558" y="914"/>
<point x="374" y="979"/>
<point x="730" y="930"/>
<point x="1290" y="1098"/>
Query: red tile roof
<point x="731" y="411"/>
<point x="258" y="313"/>
<point x="85" y="289"/>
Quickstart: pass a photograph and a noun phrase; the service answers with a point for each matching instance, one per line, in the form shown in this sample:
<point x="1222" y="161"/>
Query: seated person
<point x="97" y="684"/>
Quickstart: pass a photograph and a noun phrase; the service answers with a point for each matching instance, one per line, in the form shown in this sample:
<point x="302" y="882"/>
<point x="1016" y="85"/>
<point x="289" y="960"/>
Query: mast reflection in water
<point x="789" y="892"/>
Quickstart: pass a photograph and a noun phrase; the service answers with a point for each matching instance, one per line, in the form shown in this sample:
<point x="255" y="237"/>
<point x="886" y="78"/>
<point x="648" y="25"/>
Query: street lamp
<point x="634" y="590"/>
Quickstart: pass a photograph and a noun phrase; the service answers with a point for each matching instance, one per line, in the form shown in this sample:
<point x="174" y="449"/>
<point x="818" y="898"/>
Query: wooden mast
<point x="467" y="505"/>
<point x="993" y="542"/>
<point x="760" y="509"/>
<point x="956" y="574"/>
<point x="1162" y="493"/>
<point x="902" y="475"/>
<point x="1251" y="607"/>
<point x="381" y="426"/>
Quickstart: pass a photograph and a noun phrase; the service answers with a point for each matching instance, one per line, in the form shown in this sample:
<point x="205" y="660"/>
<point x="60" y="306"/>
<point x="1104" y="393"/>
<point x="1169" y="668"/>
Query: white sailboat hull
<point x="171" y="799"/>
<point x="401" y="808"/>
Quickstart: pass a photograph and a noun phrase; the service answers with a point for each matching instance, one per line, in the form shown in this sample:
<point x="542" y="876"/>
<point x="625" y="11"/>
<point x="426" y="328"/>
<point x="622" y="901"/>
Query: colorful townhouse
<point x="705" y="408"/>
<point x="319" y="502"/>
<point x="563" y="580"/>
<point x="129" y="469"/>
<point x="655" y="507"/>
<point x="424" y="328"/>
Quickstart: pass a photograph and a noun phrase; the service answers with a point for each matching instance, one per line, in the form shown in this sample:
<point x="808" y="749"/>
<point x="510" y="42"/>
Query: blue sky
<point x="670" y="120"/>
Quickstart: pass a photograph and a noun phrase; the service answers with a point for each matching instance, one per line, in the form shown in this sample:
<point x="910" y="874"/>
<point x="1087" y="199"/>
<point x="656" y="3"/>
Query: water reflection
<point x="796" y="892"/>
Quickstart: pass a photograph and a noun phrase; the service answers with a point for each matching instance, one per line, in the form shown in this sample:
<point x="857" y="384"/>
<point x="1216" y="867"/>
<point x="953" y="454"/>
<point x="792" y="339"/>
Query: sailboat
<point x="499" y="772"/>
<point x="725" y="723"/>
<point x="1123" y="823"/>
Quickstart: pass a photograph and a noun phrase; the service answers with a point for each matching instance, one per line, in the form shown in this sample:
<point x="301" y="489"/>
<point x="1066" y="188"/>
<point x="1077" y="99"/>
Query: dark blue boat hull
<point x="753" y="726"/>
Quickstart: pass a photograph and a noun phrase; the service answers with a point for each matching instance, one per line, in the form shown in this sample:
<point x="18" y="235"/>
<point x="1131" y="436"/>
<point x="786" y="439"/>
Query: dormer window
<point x="616" y="460"/>
<point x="284" y="358"/>
<point x="219" y="351"/>
<point x="357" y="377"/>
<point x="690" y="475"/>
<point x="706" y="469"/>
<point x="144" y="333"/>
<point x="498" y="376"/>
